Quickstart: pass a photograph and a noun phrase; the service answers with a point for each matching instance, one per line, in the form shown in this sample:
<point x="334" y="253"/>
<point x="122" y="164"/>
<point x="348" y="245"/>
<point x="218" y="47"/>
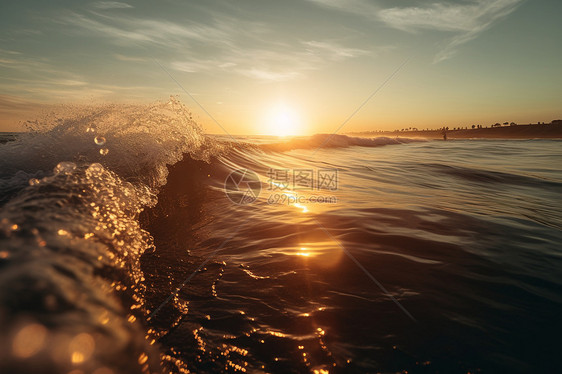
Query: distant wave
<point x="335" y="141"/>
<point x="492" y="177"/>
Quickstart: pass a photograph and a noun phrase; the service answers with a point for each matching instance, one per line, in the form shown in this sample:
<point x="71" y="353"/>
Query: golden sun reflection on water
<point x="303" y="252"/>
<point x="305" y="200"/>
<point x="302" y="207"/>
<point x="324" y="253"/>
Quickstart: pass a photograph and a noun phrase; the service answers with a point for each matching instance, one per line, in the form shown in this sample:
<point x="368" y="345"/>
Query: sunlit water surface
<point x="464" y="235"/>
<point x="426" y="256"/>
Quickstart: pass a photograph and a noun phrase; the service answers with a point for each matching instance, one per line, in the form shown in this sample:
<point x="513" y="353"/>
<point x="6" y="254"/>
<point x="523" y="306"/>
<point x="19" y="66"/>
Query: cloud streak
<point x="43" y="79"/>
<point x="448" y="16"/>
<point x="281" y="63"/>
<point x="126" y="29"/>
<point x="467" y="19"/>
<point x="111" y="5"/>
<point x="246" y="48"/>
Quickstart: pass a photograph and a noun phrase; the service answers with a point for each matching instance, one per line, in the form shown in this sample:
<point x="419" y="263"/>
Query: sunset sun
<point x="283" y="120"/>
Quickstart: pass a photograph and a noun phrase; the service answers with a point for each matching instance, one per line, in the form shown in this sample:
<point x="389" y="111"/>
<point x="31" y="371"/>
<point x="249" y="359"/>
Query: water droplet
<point x="104" y="151"/>
<point x="65" y="167"/>
<point x="91" y="129"/>
<point x="81" y="348"/>
<point x="142" y="358"/>
<point x="104" y="318"/>
<point x="99" y="140"/>
<point x="29" y="340"/>
<point x="34" y="181"/>
<point x="77" y="357"/>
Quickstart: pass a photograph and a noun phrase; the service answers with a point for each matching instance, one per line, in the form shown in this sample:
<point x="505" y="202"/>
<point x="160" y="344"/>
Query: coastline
<point x="543" y="131"/>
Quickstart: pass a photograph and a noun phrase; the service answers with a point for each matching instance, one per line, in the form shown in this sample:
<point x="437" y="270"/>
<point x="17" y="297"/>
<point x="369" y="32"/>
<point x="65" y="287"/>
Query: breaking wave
<point x="72" y="190"/>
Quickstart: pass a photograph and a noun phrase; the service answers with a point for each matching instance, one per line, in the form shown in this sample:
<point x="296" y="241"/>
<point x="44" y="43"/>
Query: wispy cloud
<point x="120" y="29"/>
<point x="13" y="103"/>
<point x="111" y="5"/>
<point x="16" y="64"/>
<point x="270" y="75"/>
<point x="362" y="7"/>
<point x="9" y="52"/>
<point x="42" y="79"/>
<point x="195" y="65"/>
<point x="448" y="16"/>
<point x="281" y="62"/>
<point x="243" y="47"/>
<point x="470" y="19"/>
<point x="467" y="19"/>
<point x="122" y="57"/>
<point x="333" y="51"/>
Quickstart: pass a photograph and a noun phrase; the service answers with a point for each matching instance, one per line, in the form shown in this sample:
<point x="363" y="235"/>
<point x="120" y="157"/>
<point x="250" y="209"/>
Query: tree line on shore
<point x="474" y="127"/>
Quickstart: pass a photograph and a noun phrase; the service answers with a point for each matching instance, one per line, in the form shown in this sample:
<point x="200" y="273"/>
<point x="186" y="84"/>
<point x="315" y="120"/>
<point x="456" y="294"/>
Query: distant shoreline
<point x="543" y="131"/>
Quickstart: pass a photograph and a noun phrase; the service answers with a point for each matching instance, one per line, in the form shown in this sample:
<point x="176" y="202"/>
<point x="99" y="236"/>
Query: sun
<point x="282" y="120"/>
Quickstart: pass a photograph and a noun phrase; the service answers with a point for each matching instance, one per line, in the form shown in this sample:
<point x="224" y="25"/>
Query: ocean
<point x="132" y="242"/>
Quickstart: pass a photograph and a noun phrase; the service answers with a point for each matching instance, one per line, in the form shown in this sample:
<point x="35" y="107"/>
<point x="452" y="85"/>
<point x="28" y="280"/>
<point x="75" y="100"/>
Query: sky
<point x="311" y="66"/>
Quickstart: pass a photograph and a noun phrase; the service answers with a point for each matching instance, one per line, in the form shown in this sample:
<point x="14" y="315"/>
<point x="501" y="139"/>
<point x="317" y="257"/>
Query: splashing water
<point x="99" y="140"/>
<point x="76" y="258"/>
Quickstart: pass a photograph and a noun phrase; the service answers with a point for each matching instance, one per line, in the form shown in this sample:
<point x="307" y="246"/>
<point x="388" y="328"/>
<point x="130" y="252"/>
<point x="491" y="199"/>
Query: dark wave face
<point x="122" y="253"/>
